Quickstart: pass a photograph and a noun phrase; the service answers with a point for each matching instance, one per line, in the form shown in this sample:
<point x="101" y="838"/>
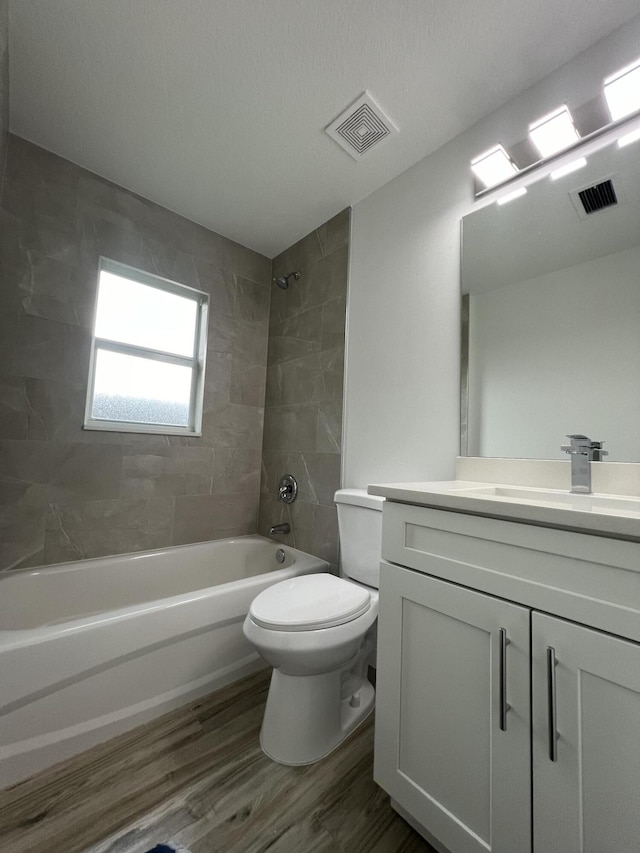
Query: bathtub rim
<point x="18" y="637"/>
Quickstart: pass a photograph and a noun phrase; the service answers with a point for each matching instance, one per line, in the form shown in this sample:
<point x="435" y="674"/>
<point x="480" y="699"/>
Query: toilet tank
<point x="360" y="527"/>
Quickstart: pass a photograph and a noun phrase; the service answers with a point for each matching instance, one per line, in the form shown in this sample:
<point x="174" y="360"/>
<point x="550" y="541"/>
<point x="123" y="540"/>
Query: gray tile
<point x="34" y="471"/>
<point x="199" y="518"/>
<point x="321" y="281"/>
<point x="302" y="519"/>
<point x="325" y="280"/>
<point x="211" y="248"/>
<point x="286" y="303"/>
<point x="325" y="534"/>
<point x="14" y="408"/>
<point x="251" y="265"/>
<point x="166" y="471"/>
<point x="99" y="528"/>
<point x="56" y="411"/>
<point x="220" y="284"/>
<point x="21" y="535"/>
<point x="44" y="349"/>
<point x="289" y="427"/>
<point x="317" y="377"/>
<point x="240" y="338"/>
<point x="55" y="222"/>
<point x="57" y="291"/>
<point x="272" y="512"/>
<point x="32" y="165"/>
<point x="322" y="476"/>
<point x="337" y="231"/>
<point x="277" y="463"/>
<point x="332" y="367"/>
<point x="236" y="471"/>
<point x="329" y="427"/>
<point x="307" y="251"/>
<point x="295" y="336"/>
<point x="333" y="323"/>
<point x="251" y="301"/>
<point x="217" y="379"/>
<point x="115" y="240"/>
<point x="247" y="383"/>
<point x="231" y="425"/>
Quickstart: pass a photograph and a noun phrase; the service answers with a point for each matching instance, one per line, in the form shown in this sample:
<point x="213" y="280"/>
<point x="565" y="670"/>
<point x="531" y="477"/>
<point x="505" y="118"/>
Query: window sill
<point x="148" y="429"/>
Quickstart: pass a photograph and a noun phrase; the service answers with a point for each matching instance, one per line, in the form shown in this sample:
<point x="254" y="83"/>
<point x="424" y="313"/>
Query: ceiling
<point x="216" y="108"/>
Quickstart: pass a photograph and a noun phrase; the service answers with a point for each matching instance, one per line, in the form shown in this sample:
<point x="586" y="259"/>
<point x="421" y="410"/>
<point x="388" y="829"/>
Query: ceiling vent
<point x="597" y="197"/>
<point x="361" y="126"/>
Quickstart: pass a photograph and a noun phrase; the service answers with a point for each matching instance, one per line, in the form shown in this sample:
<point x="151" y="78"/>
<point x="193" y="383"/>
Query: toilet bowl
<point x="319" y="632"/>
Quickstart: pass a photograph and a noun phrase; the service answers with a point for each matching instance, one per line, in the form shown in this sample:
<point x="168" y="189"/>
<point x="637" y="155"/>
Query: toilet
<point x="319" y="633"/>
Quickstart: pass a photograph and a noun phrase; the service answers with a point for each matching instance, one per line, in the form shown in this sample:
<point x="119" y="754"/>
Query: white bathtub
<point x="93" y="648"/>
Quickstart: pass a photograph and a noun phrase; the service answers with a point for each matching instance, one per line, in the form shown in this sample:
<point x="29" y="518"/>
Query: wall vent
<point x="598" y="197"/>
<point x="361" y="126"/>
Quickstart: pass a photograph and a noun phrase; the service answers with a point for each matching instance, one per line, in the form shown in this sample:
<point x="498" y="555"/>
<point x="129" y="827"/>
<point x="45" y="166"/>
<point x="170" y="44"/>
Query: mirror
<point x="551" y="314"/>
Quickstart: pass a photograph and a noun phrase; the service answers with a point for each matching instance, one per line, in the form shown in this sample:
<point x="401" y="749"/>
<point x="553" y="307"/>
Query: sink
<point x="614" y="504"/>
<point x="599" y="514"/>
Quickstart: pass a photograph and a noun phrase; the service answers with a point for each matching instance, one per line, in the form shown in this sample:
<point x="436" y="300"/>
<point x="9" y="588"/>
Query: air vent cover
<point x="598" y="197"/>
<point x="361" y="126"/>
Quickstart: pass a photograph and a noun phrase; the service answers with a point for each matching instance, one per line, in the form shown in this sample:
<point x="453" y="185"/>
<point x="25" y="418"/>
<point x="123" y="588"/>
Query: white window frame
<point x="197" y="361"/>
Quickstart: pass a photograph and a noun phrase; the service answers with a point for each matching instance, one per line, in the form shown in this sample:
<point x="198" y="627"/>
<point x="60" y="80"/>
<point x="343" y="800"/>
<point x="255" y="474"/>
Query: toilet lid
<point x="309" y="602"/>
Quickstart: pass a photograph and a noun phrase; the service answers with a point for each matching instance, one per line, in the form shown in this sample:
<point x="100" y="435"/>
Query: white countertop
<point x="604" y="515"/>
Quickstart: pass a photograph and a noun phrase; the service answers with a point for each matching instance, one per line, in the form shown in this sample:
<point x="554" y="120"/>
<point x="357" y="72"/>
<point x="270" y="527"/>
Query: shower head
<point x="283" y="280"/>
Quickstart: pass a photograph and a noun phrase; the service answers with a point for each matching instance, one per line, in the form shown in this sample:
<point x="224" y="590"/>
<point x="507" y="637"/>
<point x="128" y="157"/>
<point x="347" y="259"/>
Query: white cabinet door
<point x="440" y="750"/>
<point x="586" y="800"/>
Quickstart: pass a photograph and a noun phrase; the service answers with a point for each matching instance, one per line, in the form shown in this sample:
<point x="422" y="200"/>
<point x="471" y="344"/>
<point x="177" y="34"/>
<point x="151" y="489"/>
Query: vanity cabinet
<point x="448" y="660"/>
<point x="500" y="727"/>
<point x="588" y="798"/>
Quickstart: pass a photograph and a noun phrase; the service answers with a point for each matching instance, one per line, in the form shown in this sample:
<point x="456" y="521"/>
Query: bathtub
<point x="90" y="649"/>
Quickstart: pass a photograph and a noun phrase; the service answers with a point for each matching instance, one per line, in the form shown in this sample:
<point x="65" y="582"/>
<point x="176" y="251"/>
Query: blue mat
<point x="166" y="848"/>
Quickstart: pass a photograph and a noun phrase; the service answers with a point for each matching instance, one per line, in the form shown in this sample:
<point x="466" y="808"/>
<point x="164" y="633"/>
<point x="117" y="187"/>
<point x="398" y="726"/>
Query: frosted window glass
<point x="133" y="313"/>
<point x="140" y="390"/>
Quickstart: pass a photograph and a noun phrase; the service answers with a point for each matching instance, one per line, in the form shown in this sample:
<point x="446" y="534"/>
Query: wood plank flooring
<point x="198" y="777"/>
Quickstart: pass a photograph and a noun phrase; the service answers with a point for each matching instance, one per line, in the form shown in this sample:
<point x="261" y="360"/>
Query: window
<point x="147" y="354"/>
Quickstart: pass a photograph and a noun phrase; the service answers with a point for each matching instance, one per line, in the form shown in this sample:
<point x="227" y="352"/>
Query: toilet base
<point x="306" y="717"/>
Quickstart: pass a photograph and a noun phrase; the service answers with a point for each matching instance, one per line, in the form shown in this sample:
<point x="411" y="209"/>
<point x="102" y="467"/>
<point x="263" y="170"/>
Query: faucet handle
<point x="579" y="444"/>
<point x="584" y="446"/>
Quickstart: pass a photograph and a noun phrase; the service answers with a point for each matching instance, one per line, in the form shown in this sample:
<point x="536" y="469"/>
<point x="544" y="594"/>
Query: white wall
<point x="524" y="398"/>
<point x="402" y="371"/>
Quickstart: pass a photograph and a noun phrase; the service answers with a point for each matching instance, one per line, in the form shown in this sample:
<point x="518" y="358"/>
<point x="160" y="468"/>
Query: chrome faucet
<point x="583" y="452"/>
<point x="278" y="529"/>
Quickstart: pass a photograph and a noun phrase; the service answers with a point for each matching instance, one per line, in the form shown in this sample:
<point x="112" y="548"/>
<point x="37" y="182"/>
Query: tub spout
<point x="277" y="529"/>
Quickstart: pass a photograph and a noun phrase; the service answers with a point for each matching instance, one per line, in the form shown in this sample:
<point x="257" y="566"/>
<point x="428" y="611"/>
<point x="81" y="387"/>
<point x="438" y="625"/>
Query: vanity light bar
<point x="622" y="91"/>
<point x="494" y="166"/>
<point x="554" y="132"/>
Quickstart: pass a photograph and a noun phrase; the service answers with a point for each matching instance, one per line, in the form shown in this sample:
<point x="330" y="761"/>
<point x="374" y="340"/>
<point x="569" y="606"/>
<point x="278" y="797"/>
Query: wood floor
<point x="198" y="777"/>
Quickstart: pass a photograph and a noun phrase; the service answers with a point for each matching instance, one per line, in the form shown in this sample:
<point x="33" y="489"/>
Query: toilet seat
<point x="309" y="603"/>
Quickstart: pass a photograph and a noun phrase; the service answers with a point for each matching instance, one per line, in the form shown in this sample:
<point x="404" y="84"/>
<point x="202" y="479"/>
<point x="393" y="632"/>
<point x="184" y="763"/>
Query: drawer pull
<point x="551" y="698"/>
<point x="504" y="705"/>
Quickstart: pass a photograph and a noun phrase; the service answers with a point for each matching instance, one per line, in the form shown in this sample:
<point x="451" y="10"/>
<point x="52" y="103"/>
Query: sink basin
<point x="599" y="514"/>
<point x="552" y="497"/>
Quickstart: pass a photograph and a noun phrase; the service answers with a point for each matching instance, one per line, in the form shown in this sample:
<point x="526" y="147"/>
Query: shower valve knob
<point x="288" y="489"/>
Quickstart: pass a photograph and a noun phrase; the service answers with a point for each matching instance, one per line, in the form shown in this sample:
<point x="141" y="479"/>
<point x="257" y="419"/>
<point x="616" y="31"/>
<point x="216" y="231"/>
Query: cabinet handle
<point x="551" y="698"/>
<point x="504" y="705"/>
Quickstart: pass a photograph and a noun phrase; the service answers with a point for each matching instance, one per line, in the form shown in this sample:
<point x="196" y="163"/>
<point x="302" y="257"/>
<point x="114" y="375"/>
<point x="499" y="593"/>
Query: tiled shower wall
<point x="303" y="411"/>
<point x="66" y="493"/>
<point x="4" y="79"/>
